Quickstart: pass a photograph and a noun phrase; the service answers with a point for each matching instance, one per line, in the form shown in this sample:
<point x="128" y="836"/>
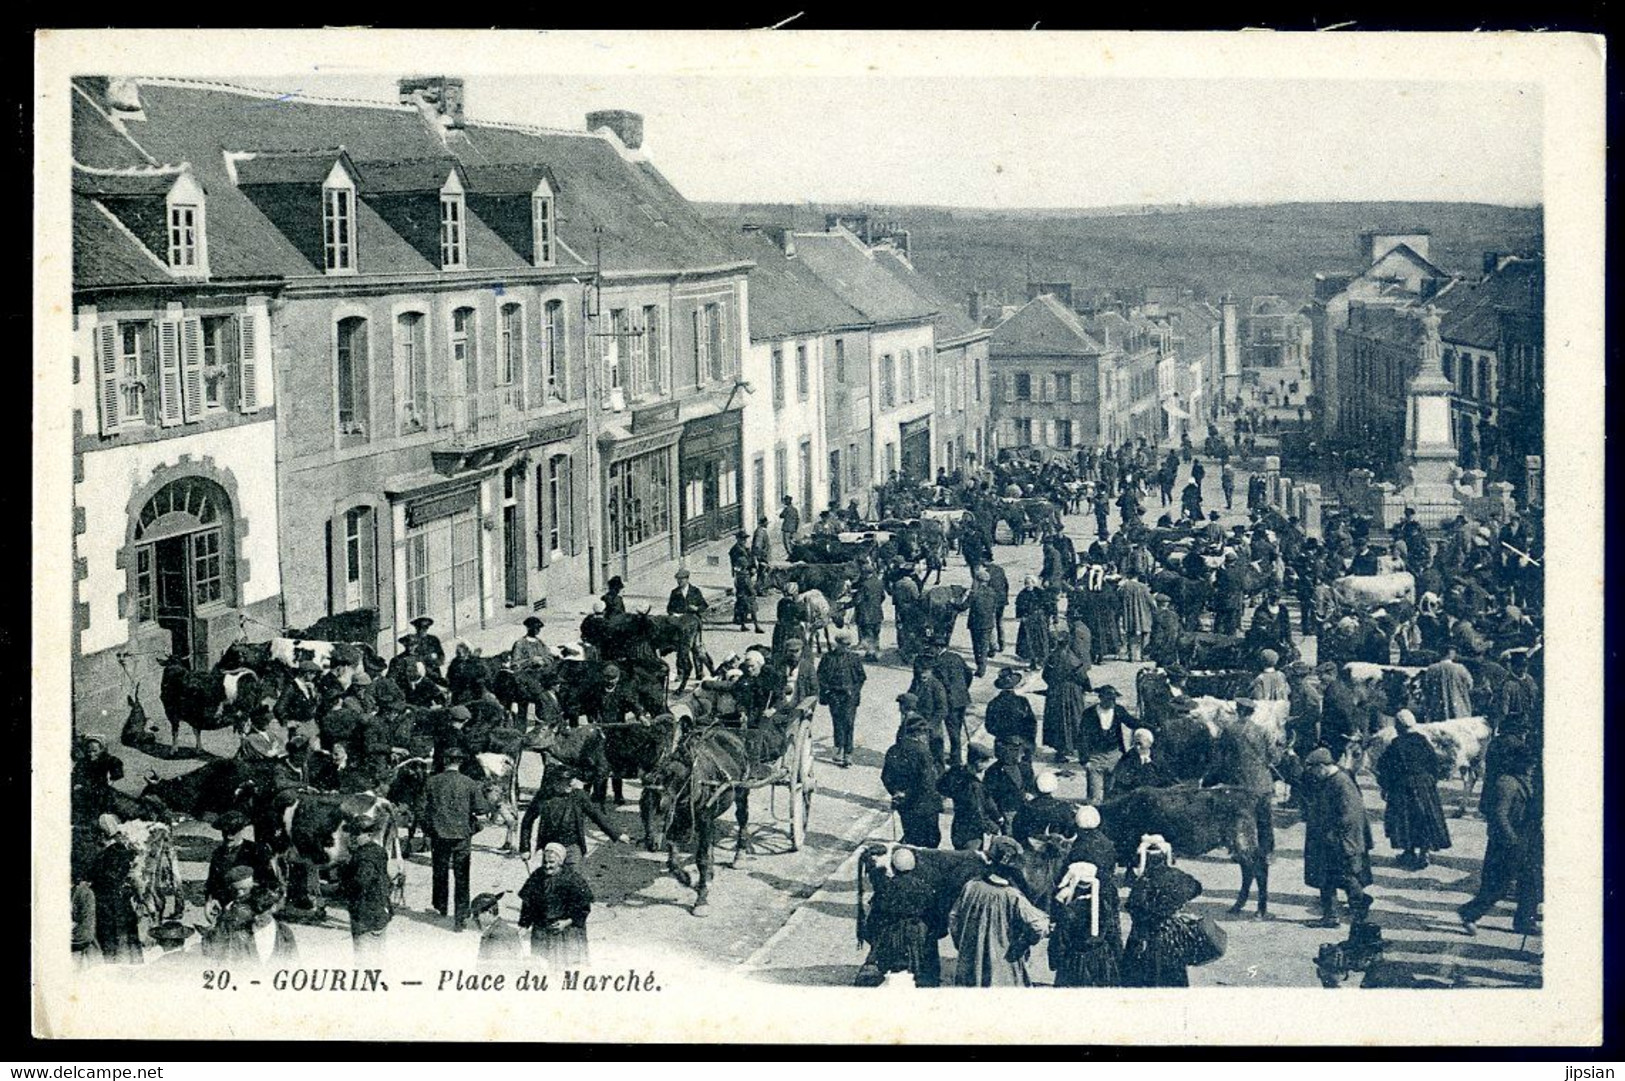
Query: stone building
<point x="175" y="515"/>
<point x="1054" y="384"/>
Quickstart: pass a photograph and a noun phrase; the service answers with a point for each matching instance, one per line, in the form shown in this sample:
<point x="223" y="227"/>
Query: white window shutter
<point x="107" y="372"/>
<point x="1077" y="390"/>
<point x="248" y="337"/>
<point x="192" y="369"/>
<point x="1009" y="387"/>
<point x="169" y="372"/>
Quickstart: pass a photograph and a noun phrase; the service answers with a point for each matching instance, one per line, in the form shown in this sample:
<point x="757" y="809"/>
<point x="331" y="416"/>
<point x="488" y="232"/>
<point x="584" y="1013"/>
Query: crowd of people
<point x="1180" y="598"/>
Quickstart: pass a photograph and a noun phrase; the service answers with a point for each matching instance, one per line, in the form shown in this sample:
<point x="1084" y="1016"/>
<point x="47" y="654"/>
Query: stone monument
<point x="1430" y="441"/>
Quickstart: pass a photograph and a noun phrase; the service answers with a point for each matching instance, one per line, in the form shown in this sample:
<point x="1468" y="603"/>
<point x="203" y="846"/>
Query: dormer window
<point x="452" y="217"/>
<point x="338" y="229"/>
<point x="183" y="214"/>
<point x="541" y="213"/>
<point x="183" y="236"/>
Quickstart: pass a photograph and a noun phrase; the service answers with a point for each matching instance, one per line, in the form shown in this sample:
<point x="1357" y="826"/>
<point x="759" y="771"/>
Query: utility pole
<point x="595" y="406"/>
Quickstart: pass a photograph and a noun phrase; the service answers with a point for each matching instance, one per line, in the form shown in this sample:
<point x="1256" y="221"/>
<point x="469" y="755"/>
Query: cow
<point x="205" y="700"/>
<point x="830" y="579"/>
<point x="1196" y="821"/>
<point x="408" y="790"/>
<point x="499" y="773"/>
<point x="817" y="618"/>
<point x="1366" y="592"/>
<point x="213" y="788"/>
<point x="1460" y="741"/>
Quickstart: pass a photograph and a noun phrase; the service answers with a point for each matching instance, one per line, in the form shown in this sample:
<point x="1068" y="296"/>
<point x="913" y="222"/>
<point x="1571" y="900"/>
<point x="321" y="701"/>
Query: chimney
<point x="123" y="99"/>
<point x="438" y="98"/>
<point x="627" y="126"/>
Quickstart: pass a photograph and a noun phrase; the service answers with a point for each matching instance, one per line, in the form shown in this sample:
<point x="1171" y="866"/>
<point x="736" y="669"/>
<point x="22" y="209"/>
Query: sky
<point x="1007" y="142"/>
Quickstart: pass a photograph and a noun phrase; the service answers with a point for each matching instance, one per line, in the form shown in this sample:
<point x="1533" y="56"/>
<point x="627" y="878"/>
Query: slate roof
<point x="1044" y="327"/>
<point x="1474" y="316"/>
<point x="787" y="297"/>
<point x="853" y="272"/>
<point x="394" y="176"/>
<point x="290" y="167"/>
<point x="96" y="141"/>
<point x="148" y="181"/>
<point x="104" y="254"/>
<point x="952" y="320"/>
<point x="646" y="224"/>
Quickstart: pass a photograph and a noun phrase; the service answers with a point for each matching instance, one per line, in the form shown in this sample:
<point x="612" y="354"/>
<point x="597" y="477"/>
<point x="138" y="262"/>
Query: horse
<point x="683" y="797"/>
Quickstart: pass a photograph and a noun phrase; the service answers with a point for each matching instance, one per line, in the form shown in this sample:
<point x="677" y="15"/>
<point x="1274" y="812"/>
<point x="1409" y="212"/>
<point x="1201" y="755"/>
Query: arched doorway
<point x="184" y="561"/>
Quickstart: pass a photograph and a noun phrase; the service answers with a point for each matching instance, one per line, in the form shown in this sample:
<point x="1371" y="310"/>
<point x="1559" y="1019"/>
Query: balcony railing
<point x="480" y="418"/>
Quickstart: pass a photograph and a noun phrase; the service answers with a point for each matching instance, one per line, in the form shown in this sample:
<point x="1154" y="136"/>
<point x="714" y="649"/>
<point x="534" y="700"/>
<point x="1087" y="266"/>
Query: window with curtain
<point x="352" y="381"/>
<point x="412" y="365"/>
<point x="553" y="371"/>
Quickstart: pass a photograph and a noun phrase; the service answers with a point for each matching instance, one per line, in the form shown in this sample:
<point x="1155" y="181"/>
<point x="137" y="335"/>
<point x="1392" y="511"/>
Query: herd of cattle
<point x="1229" y="763"/>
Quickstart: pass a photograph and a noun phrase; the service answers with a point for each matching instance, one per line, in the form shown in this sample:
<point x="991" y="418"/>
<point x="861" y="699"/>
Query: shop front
<point x="915" y="436"/>
<point x="440" y="555"/>
<point x="640" y="501"/>
<point x="708" y="461"/>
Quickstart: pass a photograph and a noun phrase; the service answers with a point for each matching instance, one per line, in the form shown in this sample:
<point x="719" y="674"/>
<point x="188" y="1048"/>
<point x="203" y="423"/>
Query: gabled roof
<point x="1405" y="251"/>
<point x="1044" y="327"/>
<point x="787" y="298"/>
<point x="852" y="271"/>
<point x="952" y="321"/>
<point x="1474" y="316"/>
<point x="642" y="222"/>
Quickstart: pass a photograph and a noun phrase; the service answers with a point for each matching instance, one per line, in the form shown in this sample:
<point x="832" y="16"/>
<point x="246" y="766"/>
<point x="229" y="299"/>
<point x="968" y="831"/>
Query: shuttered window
<point x="169" y="372"/>
<point x="248" y="367"/>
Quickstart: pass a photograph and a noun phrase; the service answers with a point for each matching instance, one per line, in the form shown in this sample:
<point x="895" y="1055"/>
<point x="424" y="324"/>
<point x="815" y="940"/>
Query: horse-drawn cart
<point x="793" y="770"/>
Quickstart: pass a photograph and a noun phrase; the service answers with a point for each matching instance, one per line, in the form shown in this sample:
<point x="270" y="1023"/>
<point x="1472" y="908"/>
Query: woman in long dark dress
<point x="1035" y="609"/>
<point x="1408" y="774"/>
<point x="1085" y="952"/>
<point x="554" y="903"/>
<point x="1165" y="941"/>
<point x="1065" y="679"/>
<point x="905" y="921"/>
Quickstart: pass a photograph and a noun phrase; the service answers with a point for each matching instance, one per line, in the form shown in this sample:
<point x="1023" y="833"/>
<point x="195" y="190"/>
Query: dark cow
<point x="830" y="579"/>
<point x="408" y="790"/>
<point x="205" y="700"/>
<point x="1210" y="652"/>
<point x="619" y="638"/>
<point x="1196" y="821"/>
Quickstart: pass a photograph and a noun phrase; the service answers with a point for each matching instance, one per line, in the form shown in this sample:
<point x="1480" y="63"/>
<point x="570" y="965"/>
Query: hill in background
<point x="1248" y="250"/>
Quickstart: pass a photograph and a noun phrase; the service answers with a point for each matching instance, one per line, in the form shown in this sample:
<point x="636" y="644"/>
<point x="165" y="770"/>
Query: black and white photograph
<point x="741" y="536"/>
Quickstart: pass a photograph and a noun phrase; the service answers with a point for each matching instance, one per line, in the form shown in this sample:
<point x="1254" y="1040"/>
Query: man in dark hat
<point x="746" y="578"/>
<point x="420" y="643"/>
<point x="1337" y="839"/>
<point x="955" y="676"/>
<point x="840" y="686"/>
<point x="614" y="603"/>
<point x="451" y="801"/>
<point x="1010" y="717"/>
<point x="236" y="850"/>
<point x="910" y="774"/>
<point x="976" y="815"/>
<point x="530" y="649"/>
<point x="790" y="520"/>
<point x="931" y="699"/>
<point x="761" y="551"/>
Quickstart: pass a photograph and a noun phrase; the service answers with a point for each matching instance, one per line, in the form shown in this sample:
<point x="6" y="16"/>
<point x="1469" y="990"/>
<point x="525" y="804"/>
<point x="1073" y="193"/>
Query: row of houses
<point x="1366" y="341"/>
<point x="337" y="356"/>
